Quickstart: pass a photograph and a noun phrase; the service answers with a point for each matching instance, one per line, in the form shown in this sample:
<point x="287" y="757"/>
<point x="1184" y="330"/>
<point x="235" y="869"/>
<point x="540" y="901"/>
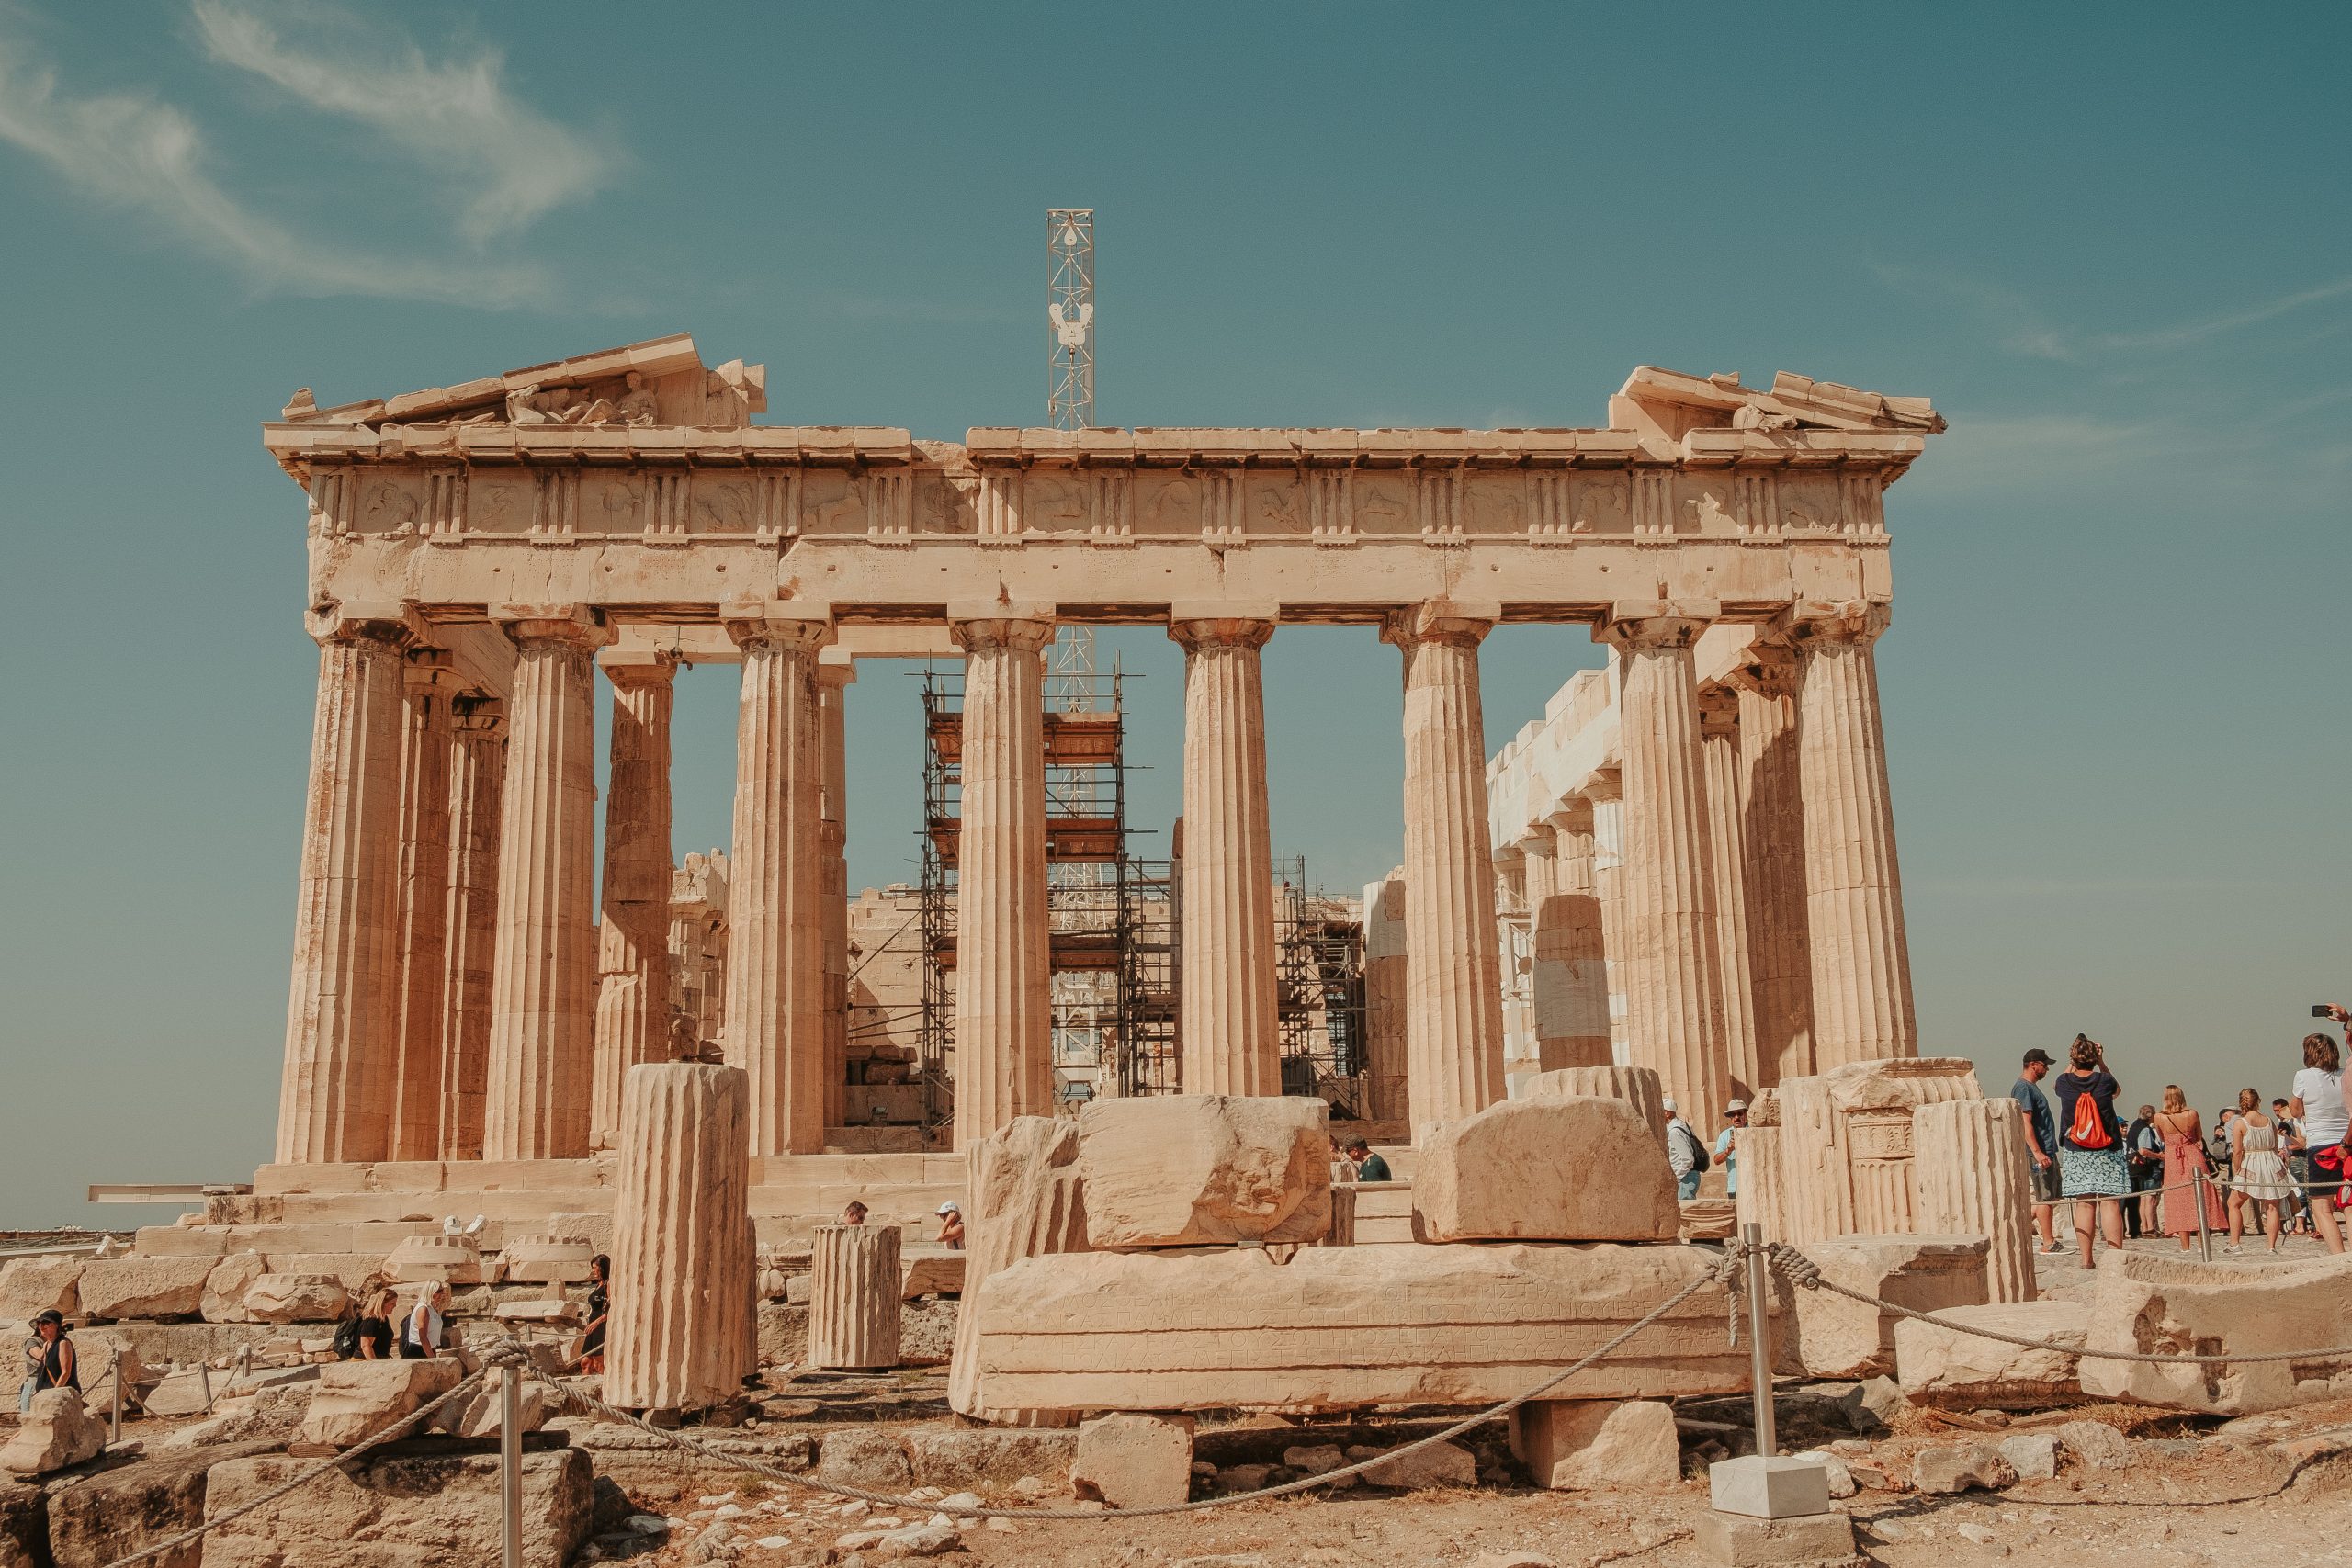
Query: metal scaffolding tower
<point x="1069" y="309"/>
<point x="1319" y="996"/>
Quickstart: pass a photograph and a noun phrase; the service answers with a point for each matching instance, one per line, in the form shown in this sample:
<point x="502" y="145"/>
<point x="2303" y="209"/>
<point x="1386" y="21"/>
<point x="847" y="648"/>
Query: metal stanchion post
<point x="114" y="1415"/>
<point x="2204" y="1234"/>
<point x="509" y="1466"/>
<point x="204" y="1382"/>
<point x="1759" y="1345"/>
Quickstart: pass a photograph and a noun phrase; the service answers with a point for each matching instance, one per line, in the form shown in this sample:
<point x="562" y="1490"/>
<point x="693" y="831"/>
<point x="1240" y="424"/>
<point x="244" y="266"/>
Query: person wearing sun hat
<point x="1727" y="1146"/>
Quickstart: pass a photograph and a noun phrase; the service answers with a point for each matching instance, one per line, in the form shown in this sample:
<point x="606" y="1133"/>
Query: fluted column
<point x="682" y="1239"/>
<point x="1454" y="1021"/>
<point x="1969" y="1163"/>
<point x="430" y="685"/>
<point x="1228" y="943"/>
<point x="633" y="935"/>
<point x="1861" y="961"/>
<point x="1571" y="973"/>
<point x="1719" y="743"/>
<point x="1779" y="957"/>
<point x="342" y="1023"/>
<point x="832" y="844"/>
<point x="1674" y="1009"/>
<point x="542" y="1023"/>
<point x="477" y="784"/>
<point x="854" y="1298"/>
<point x="1609" y="888"/>
<point x="775" y="956"/>
<point x="1003" y="1062"/>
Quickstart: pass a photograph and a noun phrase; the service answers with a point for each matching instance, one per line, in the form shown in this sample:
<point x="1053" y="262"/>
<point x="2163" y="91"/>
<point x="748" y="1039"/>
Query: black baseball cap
<point x="2038" y="1054"/>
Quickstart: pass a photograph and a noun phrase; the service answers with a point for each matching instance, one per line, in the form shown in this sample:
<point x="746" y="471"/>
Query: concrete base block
<point x="1813" y="1540"/>
<point x="1769" y="1488"/>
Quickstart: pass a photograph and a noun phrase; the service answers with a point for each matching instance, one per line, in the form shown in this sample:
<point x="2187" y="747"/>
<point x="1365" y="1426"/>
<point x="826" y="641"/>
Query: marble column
<point x="1571" y="971"/>
<point x="775" y="954"/>
<point x="542" y="1010"/>
<point x="430" y="685"/>
<point x="832" y="844"/>
<point x="1230" y="1045"/>
<point x="477" y="784"/>
<point x="1719" y="742"/>
<point x="1861" y="963"/>
<point x="1779" y="957"/>
<point x="1674" y="1009"/>
<point x="1607" y="795"/>
<point x="1003" y="1062"/>
<point x="334" y="1098"/>
<point x="633" y="935"/>
<point x="1454" y="1021"/>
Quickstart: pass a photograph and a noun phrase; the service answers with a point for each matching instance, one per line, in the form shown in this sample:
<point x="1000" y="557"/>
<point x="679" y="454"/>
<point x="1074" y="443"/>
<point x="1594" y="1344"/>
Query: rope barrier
<point x="508" y="1352"/>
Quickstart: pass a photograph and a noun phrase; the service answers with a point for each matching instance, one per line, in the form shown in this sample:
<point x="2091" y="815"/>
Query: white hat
<point x="948" y="1208"/>
<point x="1735" y="1105"/>
<point x="1668" y="1106"/>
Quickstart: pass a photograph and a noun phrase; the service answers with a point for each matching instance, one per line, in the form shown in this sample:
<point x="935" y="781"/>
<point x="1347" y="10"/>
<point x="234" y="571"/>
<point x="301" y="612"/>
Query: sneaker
<point x="2055" y="1248"/>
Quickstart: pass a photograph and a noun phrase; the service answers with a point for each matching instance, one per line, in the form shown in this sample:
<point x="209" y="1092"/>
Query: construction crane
<point x="1070" y="405"/>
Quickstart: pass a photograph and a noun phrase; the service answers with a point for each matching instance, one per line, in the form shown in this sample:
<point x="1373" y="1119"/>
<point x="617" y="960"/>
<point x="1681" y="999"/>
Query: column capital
<point x="638" y="666"/>
<point x="1768" y="667"/>
<point x="832" y="674"/>
<point x="1539" y="844"/>
<point x="1602" y="784"/>
<point x="564" y="622"/>
<point x="780" y="626"/>
<point x="479" y="716"/>
<point x="1459" y="623"/>
<point x="1573" y="814"/>
<point x="425" y="670"/>
<point x="1631" y="624"/>
<point x="1197" y="632"/>
<point x="1718" y="714"/>
<point x="1833" y="620"/>
<point x="978" y="624"/>
<point x="385" y="623"/>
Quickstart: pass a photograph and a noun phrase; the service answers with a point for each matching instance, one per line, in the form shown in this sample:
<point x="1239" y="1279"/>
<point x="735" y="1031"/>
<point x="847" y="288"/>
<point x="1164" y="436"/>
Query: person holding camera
<point x="2091" y="1169"/>
<point x="2318" y="1104"/>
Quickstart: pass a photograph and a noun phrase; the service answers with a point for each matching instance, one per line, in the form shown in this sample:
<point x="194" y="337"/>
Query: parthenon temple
<point x="1693" y="850"/>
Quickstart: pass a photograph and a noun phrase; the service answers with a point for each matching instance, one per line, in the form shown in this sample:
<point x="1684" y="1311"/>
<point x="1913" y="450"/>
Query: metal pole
<point x="2204" y="1235"/>
<point x="509" y="1466"/>
<point x="114" y="1417"/>
<point x="204" y="1381"/>
<point x="1759" y="1342"/>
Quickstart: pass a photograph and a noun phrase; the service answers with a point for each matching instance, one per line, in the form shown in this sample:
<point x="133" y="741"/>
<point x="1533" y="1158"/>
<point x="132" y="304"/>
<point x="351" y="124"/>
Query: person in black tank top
<point x="49" y="1359"/>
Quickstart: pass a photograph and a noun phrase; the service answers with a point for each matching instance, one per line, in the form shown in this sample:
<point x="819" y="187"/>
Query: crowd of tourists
<point x="2275" y="1165"/>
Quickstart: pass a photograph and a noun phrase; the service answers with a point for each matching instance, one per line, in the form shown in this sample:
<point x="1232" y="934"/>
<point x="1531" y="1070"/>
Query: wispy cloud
<point x="455" y="117"/>
<point x="2023" y="329"/>
<point x="133" y="150"/>
<point x="2230" y="321"/>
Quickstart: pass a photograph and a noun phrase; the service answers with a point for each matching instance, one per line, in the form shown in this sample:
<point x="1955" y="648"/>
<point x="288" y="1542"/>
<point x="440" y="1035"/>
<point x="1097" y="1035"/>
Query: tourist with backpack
<point x="366" y="1334"/>
<point x="1685" y="1151"/>
<point x="2091" y="1168"/>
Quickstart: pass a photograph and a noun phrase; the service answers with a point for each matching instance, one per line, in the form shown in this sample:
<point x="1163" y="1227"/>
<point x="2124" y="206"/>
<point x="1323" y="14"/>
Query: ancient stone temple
<point x="470" y="983"/>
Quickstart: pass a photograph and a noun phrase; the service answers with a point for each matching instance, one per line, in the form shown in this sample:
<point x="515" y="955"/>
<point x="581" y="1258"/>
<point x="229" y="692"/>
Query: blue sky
<point x="2111" y="241"/>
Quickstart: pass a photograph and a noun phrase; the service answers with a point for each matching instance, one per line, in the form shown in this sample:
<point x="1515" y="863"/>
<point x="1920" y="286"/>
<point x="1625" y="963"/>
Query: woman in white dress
<point x="2261" y="1174"/>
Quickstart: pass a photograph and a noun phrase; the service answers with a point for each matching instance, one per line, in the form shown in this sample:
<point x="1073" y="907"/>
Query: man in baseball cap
<point x="2040" y="1142"/>
<point x="951" y="1224"/>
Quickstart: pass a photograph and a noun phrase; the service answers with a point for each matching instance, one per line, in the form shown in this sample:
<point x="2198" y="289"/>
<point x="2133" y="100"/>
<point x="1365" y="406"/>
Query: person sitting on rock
<point x="49" y="1359"/>
<point x="1369" y="1166"/>
<point x="600" y="1307"/>
<point x="420" y="1333"/>
<point x="951" y="1224"/>
<point x="369" y="1335"/>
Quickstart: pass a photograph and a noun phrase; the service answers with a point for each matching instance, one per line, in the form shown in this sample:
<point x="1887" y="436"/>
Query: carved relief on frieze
<point x="830" y="503"/>
<point x="1275" y="508"/>
<point x="390" y="506"/>
<point x="1494" y="504"/>
<point x="1602" y="503"/>
<point x="445" y="505"/>
<point x="496" y="501"/>
<point x="1383" y="502"/>
<point x="891" y="509"/>
<point x="945" y="502"/>
<point x="1329" y="522"/>
<point x="1223" y="518"/>
<point x="1053" y="500"/>
<point x="1709" y="513"/>
<point x="554" y="513"/>
<point x="1167" y="504"/>
<point x="332" y="489"/>
<point x="1810" y="505"/>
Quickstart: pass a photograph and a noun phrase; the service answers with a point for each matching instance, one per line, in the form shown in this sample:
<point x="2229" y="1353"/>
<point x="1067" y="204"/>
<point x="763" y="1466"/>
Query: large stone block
<point x="399" y="1512"/>
<point x="424" y="1259"/>
<point x="1845" y="1152"/>
<point x="145" y="1287"/>
<point x="1023" y="1199"/>
<point x="296" y="1298"/>
<point x="956" y="1458"/>
<point x="1837" y="1337"/>
<point x="1969" y="1171"/>
<point x="1133" y="1461"/>
<point x="358" y="1399"/>
<point x="1192" y="1169"/>
<point x="2143" y="1302"/>
<point x="548" y="1260"/>
<point x="225" y="1287"/>
<point x="1334" y="1327"/>
<point x="30" y="1286"/>
<point x="1577" y="1445"/>
<point x="1961" y="1371"/>
<point x="102" y="1519"/>
<point x="1638" y="1086"/>
<point x="1556" y="1169"/>
<point x="24" y="1524"/>
<point x="55" y="1433"/>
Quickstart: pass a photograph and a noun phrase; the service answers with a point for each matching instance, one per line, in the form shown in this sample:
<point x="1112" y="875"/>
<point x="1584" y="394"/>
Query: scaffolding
<point x="1111" y="938"/>
<point x="1319" y="994"/>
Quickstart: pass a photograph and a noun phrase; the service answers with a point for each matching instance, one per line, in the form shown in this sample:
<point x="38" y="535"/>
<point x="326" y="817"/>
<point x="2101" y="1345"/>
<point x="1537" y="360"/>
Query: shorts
<point x="2045" y="1182"/>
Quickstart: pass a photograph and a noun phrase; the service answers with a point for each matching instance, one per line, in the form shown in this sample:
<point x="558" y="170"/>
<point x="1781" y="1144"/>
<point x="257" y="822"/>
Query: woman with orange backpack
<point x="2091" y="1168"/>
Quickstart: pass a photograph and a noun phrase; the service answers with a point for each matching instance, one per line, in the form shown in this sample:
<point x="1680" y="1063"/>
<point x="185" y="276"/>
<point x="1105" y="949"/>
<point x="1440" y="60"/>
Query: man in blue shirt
<point x="2042" y="1144"/>
<point x="1726" y="1145"/>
